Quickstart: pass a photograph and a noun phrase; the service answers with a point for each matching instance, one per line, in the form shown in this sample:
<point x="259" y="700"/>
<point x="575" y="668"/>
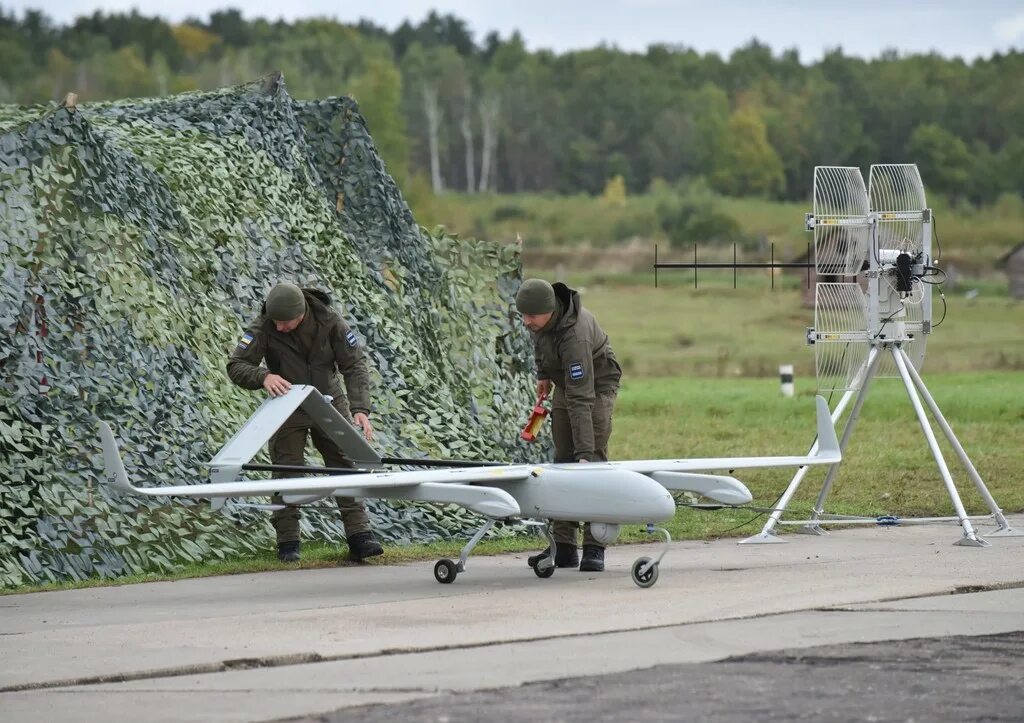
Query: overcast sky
<point x="965" y="28"/>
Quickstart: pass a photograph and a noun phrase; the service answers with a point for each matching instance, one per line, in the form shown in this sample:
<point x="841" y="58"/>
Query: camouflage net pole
<point x="136" y="240"/>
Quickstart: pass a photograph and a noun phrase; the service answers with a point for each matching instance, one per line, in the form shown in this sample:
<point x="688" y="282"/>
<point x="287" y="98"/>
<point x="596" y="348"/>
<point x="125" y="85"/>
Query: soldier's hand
<point x="581" y="460"/>
<point x="363" y="421"/>
<point x="543" y="388"/>
<point x="276" y="385"/>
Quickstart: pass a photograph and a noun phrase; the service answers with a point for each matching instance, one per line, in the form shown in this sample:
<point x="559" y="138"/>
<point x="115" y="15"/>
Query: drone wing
<point x="827" y="452"/>
<point x="684" y="474"/>
<point x="466" y="487"/>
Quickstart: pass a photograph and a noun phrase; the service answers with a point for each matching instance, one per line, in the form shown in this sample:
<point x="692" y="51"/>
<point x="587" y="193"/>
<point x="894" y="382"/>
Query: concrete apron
<point x="253" y="647"/>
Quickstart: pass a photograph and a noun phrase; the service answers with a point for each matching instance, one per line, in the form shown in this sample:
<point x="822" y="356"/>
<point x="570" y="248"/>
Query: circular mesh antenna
<point x="897" y="197"/>
<point x="841" y="229"/>
<point x="841" y="345"/>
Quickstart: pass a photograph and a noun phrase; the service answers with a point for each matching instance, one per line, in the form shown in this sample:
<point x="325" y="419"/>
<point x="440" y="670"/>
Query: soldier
<point x="573" y="355"/>
<point x="303" y="340"/>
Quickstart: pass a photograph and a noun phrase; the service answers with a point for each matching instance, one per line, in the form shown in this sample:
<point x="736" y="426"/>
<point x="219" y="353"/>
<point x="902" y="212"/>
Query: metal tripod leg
<point x="833" y="470"/>
<point x="1004" y="530"/>
<point x="766" y="536"/>
<point x="970" y="538"/>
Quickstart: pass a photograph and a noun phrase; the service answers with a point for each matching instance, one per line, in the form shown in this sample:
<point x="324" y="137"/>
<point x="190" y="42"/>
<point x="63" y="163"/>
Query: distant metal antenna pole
<point x="878" y="327"/>
<point x="735" y="265"/>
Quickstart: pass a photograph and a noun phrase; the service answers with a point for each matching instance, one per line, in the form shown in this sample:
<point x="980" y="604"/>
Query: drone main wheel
<point x="646" y="579"/>
<point x="445" y="571"/>
<point x="544" y="570"/>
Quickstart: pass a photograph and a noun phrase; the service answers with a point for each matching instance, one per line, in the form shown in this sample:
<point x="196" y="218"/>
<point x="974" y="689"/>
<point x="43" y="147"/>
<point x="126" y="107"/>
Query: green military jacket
<point x="573" y="352"/>
<point x="322" y="344"/>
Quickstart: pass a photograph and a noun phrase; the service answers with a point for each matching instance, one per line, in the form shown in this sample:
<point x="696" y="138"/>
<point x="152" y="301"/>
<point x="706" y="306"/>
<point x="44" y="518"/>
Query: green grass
<point x="716" y="331"/>
<point x="887" y="469"/>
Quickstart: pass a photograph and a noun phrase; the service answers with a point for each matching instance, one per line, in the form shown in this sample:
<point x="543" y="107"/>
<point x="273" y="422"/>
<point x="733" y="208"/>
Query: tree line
<point x="490" y="115"/>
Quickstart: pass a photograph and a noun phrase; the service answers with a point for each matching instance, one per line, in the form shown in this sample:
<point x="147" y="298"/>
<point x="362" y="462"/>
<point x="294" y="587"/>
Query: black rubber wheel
<point x="648" y="578"/>
<point x="445" y="571"/>
<point x="542" y="571"/>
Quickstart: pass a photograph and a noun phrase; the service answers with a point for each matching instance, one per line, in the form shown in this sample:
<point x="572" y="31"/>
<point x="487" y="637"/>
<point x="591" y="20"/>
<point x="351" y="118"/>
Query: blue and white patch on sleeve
<point x="576" y="371"/>
<point x="245" y="341"/>
<point x="351" y="338"/>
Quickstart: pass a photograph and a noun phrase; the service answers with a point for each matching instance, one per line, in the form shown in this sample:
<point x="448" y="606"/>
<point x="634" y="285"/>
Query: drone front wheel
<point x="645" y="579"/>
<point x="445" y="571"/>
<point x="543" y="570"/>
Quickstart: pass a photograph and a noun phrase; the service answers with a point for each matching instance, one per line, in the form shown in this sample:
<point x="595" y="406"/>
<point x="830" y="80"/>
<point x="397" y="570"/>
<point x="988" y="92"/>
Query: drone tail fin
<point x="828" y="443"/>
<point x="115" y="474"/>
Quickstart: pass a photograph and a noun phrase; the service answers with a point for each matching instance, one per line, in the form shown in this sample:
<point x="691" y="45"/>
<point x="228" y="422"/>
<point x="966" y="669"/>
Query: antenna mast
<point x="877" y="325"/>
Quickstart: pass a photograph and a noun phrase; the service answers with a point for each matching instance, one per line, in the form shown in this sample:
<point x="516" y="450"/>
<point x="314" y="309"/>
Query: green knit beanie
<point x="285" y="302"/>
<point x="536" y="296"/>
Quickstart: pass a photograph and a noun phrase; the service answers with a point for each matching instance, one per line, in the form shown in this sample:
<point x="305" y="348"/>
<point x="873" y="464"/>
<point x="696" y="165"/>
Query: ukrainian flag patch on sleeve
<point x="245" y="341"/>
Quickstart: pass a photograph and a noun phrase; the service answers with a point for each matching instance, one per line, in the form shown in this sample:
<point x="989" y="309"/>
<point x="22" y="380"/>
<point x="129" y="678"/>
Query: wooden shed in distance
<point x="1013" y="264"/>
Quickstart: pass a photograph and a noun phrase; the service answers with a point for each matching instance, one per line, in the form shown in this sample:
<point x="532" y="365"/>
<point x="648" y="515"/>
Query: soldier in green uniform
<point x="573" y="355"/>
<point x="304" y="341"/>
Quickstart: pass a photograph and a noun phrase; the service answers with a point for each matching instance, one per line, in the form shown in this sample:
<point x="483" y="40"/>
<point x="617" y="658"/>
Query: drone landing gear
<point x="645" y="570"/>
<point x="545" y="566"/>
<point x="445" y="571"/>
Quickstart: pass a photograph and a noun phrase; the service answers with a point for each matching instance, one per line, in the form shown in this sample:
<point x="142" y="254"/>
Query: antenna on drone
<point x="877" y="325"/>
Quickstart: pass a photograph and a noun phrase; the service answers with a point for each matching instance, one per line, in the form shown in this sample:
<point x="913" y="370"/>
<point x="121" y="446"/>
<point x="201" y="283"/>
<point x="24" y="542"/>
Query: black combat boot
<point x="593" y="559"/>
<point x="362" y="545"/>
<point x="288" y="551"/>
<point x="566" y="555"/>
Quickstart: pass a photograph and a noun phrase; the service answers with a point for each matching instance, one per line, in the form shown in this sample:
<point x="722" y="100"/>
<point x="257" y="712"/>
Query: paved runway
<point x="306" y="643"/>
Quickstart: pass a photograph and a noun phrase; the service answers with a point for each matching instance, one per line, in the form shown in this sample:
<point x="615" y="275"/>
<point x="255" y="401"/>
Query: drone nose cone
<point x="664" y="508"/>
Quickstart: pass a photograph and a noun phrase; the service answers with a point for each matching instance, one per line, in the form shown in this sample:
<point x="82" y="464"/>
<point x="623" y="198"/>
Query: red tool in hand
<point x="540" y="412"/>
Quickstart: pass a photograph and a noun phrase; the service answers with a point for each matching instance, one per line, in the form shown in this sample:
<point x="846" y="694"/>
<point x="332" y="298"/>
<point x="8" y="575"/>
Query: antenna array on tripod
<point x="875" y="325"/>
<point x="881" y="234"/>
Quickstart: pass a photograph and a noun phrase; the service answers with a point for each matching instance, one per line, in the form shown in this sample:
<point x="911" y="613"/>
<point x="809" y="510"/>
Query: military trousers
<point x="288" y="446"/>
<point x="565" y="451"/>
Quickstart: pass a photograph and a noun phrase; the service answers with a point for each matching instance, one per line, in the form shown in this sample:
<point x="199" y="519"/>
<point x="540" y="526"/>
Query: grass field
<point x="971" y="238"/>
<point x="718" y="331"/>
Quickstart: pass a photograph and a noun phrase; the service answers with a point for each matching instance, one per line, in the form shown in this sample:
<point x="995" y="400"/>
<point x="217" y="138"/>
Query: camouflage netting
<point x="137" y="240"/>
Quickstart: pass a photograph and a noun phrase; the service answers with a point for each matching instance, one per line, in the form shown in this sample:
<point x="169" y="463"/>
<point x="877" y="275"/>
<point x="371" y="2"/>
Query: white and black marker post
<point x="786" y="379"/>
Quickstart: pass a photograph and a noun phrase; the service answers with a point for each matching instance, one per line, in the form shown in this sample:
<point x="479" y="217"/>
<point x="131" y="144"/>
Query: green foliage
<point x="614" y="191"/>
<point x="941" y="157"/>
<point x="138" y="238"/>
<point x="693" y="217"/>
<point x="751" y="166"/>
<point x="495" y="116"/>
